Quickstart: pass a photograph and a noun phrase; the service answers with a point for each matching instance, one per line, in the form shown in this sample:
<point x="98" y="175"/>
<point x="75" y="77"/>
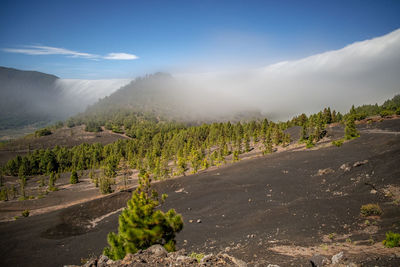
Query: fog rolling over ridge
<point x="364" y="72"/>
<point x="361" y="73"/>
<point x="81" y="93"/>
<point x="35" y="99"/>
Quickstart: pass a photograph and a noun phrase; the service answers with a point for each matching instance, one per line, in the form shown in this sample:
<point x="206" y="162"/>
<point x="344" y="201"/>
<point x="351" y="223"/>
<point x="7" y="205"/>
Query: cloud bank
<point x="360" y="73"/>
<point x="34" y="50"/>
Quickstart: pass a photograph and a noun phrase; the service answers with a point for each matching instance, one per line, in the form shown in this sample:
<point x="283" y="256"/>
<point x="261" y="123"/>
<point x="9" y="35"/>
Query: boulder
<point x="157" y="251"/>
<point x="318" y="260"/>
<point x="102" y="261"/>
<point x="91" y="263"/>
<point x="337" y="258"/>
<point x="345" y="167"/>
<point x="359" y="163"/>
<point x="324" y="171"/>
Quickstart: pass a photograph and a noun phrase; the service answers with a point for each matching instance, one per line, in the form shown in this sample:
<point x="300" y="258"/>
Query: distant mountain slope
<point x="31" y="98"/>
<point x="27" y="97"/>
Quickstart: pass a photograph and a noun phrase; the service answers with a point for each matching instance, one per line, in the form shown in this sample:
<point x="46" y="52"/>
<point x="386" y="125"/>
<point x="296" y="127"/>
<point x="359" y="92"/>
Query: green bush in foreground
<point x="370" y="210"/>
<point x="392" y="240"/>
<point x="141" y="225"/>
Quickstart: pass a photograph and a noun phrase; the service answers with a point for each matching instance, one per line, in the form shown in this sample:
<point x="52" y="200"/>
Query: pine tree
<point x="105" y="184"/>
<point x="141" y="225"/>
<point x="268" y="144"/>
<point x="74" y="177"/>
<point x="22" y="183"/>
<point x="303" y="134"/>
<point x="181" y="166"/>
<point x="350" y="132"/>
<point x="205" y="165"/>
<point x="52" y="179"/>
<point x="13" y="191"/>
<point x="246" y="143"/>
<point x="1" y="177"/>
<point x="235" y="156"/>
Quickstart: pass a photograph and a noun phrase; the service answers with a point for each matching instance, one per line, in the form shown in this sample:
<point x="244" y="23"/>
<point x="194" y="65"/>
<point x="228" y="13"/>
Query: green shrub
<point x="370" y="210"/>
<point x="310" y="143"/>
<point x="74" y="177"/>
<point x="392" y="240"/>
<point x="141" y="225"/>
<point x="386" y="112"/>
<point x="338" y="143"/>
<point x="43" y="132"/>
<point x="25" y="213"/>
<point x="197" y="256"/>
<point x="398" y="111"/>
<point x="117" y="129"/>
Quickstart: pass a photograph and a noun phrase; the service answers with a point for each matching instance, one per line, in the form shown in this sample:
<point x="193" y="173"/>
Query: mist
<point x="78" y="94"/>
<point x="366" y="72"/>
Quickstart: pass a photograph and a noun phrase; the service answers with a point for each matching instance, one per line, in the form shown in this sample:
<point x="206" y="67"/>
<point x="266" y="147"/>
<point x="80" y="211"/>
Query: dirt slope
<point x="277" y="209"/>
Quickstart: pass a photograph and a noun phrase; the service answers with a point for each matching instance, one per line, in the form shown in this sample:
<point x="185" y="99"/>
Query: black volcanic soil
<point x="274" y="209"/>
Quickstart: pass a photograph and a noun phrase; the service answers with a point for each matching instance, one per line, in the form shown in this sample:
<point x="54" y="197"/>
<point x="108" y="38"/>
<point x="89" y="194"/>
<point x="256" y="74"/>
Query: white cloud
<point x="48" y="50"/>
<point x="121" y="56"/>
<point x="360" y="73"/>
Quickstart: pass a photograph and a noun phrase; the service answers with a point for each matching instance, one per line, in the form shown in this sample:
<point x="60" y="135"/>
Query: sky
<point x="80" y="39"/>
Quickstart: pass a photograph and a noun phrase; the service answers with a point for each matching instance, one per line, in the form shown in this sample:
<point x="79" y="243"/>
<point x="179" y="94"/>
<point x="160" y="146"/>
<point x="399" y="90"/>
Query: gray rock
<point x="345" y="167"/>
<point x="237" y="262"/>
<point x="325" y="171"/>
<point x="337" y="258"/>
<point x="206" y="258"/>
<point x="102" y="262"/>
<point x="184" y="259"/>
<point x="272" y="265"/>
<point x="90" y="263"/>
<point x="318" y="260"/>
<point x="158" y="251"/>
<point x="359" y="163"/>
<point x="198" y="221"/>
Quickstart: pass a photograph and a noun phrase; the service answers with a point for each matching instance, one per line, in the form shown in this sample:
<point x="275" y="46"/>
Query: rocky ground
<point x="280" y="209"/>
<point x="156" y="255"/>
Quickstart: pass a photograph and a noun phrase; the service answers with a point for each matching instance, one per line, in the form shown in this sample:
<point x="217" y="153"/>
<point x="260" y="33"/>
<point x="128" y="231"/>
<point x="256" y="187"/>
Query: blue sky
<point x="179" y="36"/>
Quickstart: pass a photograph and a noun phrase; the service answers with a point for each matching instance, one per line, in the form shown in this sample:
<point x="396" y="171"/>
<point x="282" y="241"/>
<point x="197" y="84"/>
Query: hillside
<point x="27" y="97"/>
<point x="162" y="97"/>
<point x="277" y="209"/>
<point x="31" y="99"/>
